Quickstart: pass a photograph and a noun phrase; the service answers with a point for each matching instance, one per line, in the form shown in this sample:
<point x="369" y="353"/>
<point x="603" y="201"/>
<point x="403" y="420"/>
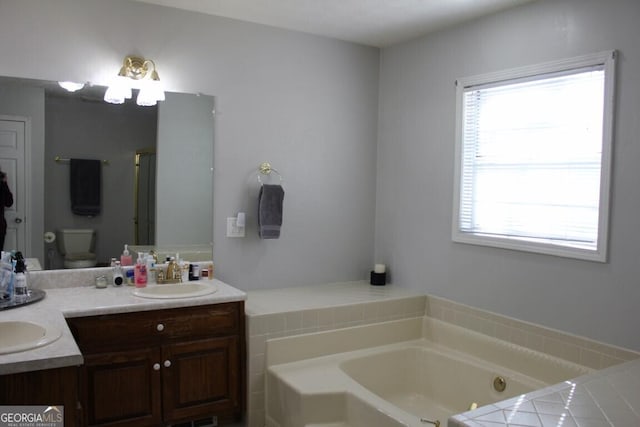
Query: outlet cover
<point x="232" y="228"/>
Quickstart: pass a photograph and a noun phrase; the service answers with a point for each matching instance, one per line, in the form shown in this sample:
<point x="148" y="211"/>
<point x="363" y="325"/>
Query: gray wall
<point x="415" y="170"/>
<point x="29" y="102"/>
<point x="307" y="104"/>
<point x="89" y="129"/>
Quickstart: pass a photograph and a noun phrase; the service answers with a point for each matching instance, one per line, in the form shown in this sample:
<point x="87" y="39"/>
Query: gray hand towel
<point x="270" y="211"/>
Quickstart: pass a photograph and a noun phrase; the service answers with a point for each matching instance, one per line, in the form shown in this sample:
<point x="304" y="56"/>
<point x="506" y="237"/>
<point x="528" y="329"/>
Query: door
<point x="13" y="144"/>
<point x="201" y="379"/>
<point x="122" y="389"/>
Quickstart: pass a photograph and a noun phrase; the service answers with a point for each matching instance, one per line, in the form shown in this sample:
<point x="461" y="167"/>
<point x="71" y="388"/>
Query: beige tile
<point x="342" y="314"/>
<point x="503" y="332"/>
<point x="257" y="344"/>
<point x="256" y="383"/>
<point x="371" y="311"/>
<point x="310" y="319"/>
<point x="293" y="320"/>
<point x="590" y="358"/>
<point x="325" y="317"/>
<point x="416" y="305"/>
<point x="275" y="323"/>
<point x="256" y="365"/>
<point x="257" y="325"/>
<point x="535" y="342"/>
<point x="518" y="337"/>
<point x="356" y="313"/>
<point x="448" y="315"/>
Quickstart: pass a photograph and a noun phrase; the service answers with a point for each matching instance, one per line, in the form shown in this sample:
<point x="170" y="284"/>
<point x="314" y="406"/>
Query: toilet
<point x="78" y="247"/>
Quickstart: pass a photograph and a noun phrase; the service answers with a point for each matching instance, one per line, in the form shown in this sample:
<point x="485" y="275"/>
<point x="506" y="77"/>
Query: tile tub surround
<point x="573" y="348"/>
<point x="398" y="368"/>
<point x="285" y="312"/>
<point x="85" y="300"/>
<point x="277" y="313"/>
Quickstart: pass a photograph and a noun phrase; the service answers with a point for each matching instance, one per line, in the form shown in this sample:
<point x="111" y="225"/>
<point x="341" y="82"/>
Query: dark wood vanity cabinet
<point x="161" y="367"/>
<point x="49" y="387"/>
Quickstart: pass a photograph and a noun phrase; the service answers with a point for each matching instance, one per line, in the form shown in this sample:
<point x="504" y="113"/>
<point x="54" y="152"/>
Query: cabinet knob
<point x="167" y="363"/>
<point x="160" y="327"/>
<point x="156" y="366"/>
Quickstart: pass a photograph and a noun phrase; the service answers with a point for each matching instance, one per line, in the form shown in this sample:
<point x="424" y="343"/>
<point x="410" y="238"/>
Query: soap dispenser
<point x="140" y="272"/>
<point x="126" y="258"/>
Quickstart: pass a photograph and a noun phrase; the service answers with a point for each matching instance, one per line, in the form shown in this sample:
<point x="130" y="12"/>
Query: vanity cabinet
<point x="49" y="387"/>
<point x="163" y="366"/>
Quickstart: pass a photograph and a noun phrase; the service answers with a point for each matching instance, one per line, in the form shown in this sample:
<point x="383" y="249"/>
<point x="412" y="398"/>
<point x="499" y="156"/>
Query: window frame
<point x="606" y="59"/>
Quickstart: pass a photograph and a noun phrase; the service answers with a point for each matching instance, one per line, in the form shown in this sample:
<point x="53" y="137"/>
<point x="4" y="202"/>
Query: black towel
<point x="84" y="186"/>
<point x="270" y="211"/>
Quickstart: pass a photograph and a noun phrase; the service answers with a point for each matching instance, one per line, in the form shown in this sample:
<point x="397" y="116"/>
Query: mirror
<point x="169" y="145"/>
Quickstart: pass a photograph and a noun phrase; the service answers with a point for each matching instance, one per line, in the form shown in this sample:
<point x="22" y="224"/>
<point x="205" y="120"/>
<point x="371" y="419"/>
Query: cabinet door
<point x="52" y="387"/>
<point x="201" y="378"/>
<point x="123" y="388"/>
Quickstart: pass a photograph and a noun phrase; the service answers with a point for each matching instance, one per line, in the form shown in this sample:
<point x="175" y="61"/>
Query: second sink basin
<point x="176" y="290"/>
<point x="22" y="335"/>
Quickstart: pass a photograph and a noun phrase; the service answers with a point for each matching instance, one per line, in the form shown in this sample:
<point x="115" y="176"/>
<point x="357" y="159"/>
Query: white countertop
<point x="61" y="303"/>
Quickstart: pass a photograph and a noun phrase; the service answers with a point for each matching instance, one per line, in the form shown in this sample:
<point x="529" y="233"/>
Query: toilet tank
<point x="72" y="241"/>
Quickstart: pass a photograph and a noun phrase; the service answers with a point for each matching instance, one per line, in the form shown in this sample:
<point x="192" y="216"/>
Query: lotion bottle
<point x="125" y="258"/>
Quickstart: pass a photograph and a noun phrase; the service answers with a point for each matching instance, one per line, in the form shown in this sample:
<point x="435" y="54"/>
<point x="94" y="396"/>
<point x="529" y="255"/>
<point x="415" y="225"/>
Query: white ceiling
<point x="371" y="22"/>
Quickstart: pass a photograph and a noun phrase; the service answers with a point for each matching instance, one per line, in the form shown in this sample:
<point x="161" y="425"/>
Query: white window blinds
<point x="531" y="158"/>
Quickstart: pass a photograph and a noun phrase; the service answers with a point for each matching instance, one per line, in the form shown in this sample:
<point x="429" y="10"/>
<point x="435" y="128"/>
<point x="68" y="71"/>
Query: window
<point x="533" y="149"/>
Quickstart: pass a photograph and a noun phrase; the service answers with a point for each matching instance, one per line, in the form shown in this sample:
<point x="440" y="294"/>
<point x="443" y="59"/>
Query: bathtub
<point x="412" y="372"/>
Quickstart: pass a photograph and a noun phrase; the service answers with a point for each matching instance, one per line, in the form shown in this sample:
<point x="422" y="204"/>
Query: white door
<point x="12" y="162"/>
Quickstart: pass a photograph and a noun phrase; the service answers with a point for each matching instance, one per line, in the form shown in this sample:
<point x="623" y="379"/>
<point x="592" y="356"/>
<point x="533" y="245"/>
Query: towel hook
<point x="265" y="168"/>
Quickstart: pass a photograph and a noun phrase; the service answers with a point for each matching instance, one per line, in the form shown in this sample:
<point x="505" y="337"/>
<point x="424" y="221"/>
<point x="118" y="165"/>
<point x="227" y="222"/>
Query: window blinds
<point x="531" y="158"/>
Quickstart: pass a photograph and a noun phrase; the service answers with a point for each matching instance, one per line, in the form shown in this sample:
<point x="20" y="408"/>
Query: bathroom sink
<point x="175" y="290"/>
<point x="21" y="335"/>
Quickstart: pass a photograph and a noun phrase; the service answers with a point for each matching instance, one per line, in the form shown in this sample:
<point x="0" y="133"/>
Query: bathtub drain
<point x="435" y="423"/>
<point x="499" y="383"/>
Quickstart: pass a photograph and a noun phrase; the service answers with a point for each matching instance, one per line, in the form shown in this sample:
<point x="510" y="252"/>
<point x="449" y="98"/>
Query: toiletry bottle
<point x="6" y="277"/>
<point x="196" y="271"/>
<point x="151" y="267"/>
<point x="140" y="272"/>
<point x="21" y="291"/>
<point x="129" y="275"/>
<point x="117" y="274"/>
<point x="125" y="258"/>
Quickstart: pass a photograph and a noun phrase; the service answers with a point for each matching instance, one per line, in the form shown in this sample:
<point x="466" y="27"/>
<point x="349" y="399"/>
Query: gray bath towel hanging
<point x="270" y="201"/>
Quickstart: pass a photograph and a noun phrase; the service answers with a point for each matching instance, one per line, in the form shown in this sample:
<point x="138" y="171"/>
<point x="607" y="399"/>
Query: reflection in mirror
<point x="169" y="148"/>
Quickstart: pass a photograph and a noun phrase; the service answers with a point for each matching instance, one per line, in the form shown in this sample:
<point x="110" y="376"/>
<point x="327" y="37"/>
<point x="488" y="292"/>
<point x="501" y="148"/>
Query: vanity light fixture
<point x="136" y="73"/>
<point x="71" y="86"/>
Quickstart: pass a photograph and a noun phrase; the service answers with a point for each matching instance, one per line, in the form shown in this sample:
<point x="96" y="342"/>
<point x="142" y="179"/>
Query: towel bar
<point x="59" y="159"/>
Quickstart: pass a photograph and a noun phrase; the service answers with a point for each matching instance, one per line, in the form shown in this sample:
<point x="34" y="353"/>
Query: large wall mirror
<point x="156" y="169"/>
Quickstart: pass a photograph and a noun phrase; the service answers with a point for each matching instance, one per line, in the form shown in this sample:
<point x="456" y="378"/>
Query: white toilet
<point x="78" y="247"/>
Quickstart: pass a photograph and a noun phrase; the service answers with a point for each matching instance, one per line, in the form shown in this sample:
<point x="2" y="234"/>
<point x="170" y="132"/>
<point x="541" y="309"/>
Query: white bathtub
<point x="400" y="373"/>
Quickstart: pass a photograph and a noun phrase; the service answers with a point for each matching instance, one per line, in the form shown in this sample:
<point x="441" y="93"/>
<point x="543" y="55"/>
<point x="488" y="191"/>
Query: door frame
<point x="27" y="178"/>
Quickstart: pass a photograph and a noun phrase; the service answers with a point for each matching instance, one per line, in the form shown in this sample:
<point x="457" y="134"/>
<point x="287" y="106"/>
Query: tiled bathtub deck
<point x="291" y="311"/>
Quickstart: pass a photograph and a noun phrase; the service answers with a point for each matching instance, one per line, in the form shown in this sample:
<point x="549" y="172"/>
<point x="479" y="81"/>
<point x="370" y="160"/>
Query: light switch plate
<point x="232" y="228"/>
